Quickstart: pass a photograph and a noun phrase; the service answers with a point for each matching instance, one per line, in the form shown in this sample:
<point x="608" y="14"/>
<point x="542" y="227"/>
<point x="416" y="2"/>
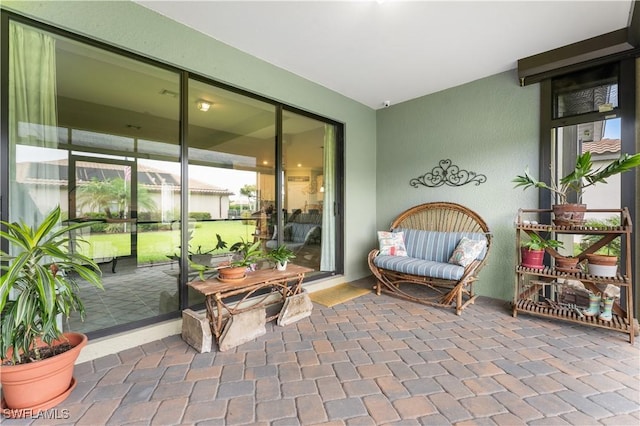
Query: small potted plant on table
<point x="582" y="176"/>
<point x="36" y="289"/>
<point x="281" y="255"/>
<point x="245" y="255"/>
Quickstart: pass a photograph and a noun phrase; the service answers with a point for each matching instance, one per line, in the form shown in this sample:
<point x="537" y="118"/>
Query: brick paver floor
<point x="373" y="360"/>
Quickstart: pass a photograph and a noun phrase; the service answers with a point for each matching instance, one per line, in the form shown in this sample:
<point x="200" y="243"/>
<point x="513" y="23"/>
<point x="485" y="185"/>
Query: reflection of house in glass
<point x="603" y="196"/>
<point x="161" y="189"/>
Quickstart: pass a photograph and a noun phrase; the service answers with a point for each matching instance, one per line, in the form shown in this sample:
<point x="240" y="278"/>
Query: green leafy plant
<point x="611" y="249"/>
<point x="220" y="245"/>
<point x="281" y="254"/>
<point x="536" y="242"/>
<point x="202" y="269"/>
<point x="37" y="284"/>
<point x="582" y="176"/>
<point x="245" y="253"/>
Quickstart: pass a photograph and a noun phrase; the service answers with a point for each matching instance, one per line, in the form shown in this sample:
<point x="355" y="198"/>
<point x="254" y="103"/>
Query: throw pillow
<point x="466" y="251"/>
<point x="391" y="243"/>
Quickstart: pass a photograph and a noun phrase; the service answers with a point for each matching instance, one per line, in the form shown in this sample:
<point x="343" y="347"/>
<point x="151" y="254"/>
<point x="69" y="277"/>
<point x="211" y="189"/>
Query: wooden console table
<point x="216" y="291"/>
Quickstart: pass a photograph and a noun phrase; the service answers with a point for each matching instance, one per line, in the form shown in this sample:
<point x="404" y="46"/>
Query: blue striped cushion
<point x="434" y="245"/>
<point x="423" y="268"/>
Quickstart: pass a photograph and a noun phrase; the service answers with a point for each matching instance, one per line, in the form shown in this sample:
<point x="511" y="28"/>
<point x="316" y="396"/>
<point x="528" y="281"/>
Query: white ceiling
<point x="377" y="51"/>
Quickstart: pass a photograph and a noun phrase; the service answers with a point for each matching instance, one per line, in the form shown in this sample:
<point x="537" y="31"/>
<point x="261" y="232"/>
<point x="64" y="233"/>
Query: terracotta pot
<point x="235" y="273"/>
<point x="603" y="270"/>
<point x="602" y="259"/>
<point x="37" y="386"/>
<point x="569" y="214"/>
<point x="532" y="258"/>
<point x="602" y="265"/>
<point x="567" y="264"/>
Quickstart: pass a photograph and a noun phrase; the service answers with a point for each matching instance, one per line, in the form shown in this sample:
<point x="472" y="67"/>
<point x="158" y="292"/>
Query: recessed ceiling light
<point x="204" y="105"/>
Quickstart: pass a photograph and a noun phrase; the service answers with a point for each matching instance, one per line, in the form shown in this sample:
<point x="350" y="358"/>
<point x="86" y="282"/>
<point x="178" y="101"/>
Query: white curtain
<point x="328" y="256"/>
<point x="34" y="185"/>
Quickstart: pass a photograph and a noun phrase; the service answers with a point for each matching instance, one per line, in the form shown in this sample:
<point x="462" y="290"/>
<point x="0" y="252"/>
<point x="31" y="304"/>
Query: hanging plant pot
<point x="37" y="386"/>
<point x="569" y="214"/>
<point x="532" y="258"/>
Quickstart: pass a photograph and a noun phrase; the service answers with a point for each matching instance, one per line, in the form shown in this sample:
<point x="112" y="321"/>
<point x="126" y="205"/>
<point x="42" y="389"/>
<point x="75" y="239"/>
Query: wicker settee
<point x="431" y="232"/>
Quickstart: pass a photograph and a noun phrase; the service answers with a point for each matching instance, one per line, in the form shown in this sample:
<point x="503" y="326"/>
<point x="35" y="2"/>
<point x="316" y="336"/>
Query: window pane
<point x="602" y="140"/>
<point x="308" y="166"/>
<point x="77" y="146"/>
<point x="99" y="134"/>
<point x="231" y="142"/>
<point x="586" y="91"/>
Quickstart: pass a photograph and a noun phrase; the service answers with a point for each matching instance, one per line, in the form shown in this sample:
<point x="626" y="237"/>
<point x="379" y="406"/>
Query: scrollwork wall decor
<point x="446" y="173"/>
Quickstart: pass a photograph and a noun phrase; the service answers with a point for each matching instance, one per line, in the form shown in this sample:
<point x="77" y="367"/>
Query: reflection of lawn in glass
<point x="155" y="246"/>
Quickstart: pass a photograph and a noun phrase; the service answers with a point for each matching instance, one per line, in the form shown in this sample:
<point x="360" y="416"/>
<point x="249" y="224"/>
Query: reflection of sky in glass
<point x="229" y="179"/>
<point x="28" y="153"/>
<point x="612" y="129"/>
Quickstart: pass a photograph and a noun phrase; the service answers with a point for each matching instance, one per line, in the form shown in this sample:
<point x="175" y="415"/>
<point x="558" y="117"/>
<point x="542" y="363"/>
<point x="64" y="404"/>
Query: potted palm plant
<point x="37" y="287"/>
<point x="281" y="255"/>
<point x="532" y="251"/>
<point x="582" y="176"/>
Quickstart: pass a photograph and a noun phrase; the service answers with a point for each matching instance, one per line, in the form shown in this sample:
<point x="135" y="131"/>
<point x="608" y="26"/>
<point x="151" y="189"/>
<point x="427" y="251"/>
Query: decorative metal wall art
<point x="449" y="174"/>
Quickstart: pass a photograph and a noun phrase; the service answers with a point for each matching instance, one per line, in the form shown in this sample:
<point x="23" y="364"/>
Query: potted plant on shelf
<point x="281" y="255"/>
<point x="245" y="255"/>
<point x="532" y="251"/>
<point x="37" y="287"/>
<point x="604" y="262"/>
<point x="582" y="176"/>
<point x="602" y="265"/>
<point x="567" y="264"/>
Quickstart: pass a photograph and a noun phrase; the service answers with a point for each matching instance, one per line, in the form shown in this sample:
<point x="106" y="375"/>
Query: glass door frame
<point x="626" y="111"/>
<point x="132" y="213"/>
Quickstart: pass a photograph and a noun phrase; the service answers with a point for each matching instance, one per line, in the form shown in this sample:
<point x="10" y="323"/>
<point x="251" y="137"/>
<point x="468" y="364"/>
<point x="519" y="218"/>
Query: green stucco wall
<point x="489" y="126"/>
<point x="140" y="30"/>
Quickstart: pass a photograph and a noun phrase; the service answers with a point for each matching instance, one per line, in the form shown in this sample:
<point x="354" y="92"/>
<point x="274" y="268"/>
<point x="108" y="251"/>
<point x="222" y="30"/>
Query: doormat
<point x="338" y="294"/>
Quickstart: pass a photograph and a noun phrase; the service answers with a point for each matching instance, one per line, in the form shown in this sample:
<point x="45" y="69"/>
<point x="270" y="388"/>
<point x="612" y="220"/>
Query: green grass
<point x="155" y="246"/>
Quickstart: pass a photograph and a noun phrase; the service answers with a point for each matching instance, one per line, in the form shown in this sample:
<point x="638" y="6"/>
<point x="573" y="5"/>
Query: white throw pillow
<point x="391" y="243"/>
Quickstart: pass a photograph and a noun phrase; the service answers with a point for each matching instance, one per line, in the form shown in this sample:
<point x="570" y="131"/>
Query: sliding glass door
<point x="168" y="179"/>
<point x="82" y="123"/>
<point x="231" y="149"/>
<point x="309" y="190"/>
